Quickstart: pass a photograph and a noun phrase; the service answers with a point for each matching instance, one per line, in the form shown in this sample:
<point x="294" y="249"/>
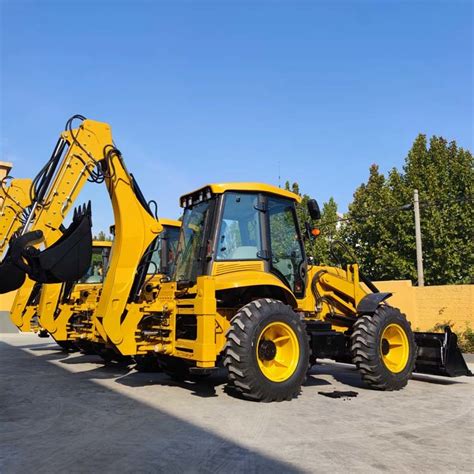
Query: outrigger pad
<point x="439" y="354"/>
<point x="70" y="257"/>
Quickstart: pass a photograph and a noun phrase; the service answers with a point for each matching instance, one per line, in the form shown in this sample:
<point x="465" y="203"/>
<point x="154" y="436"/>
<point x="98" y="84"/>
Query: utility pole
<point x="419" y="249"/>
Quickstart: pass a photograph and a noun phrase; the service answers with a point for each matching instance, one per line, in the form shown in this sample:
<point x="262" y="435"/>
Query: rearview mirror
<point x="313" y="209"/>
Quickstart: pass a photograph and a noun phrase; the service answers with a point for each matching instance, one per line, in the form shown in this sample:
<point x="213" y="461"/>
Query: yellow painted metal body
<point x="15" y="198"/>
<point x="86" y="148"/>
<point x="84" y="302"/>
<point x="155" y="321"/>
<point x="251" y="187"/>
<point x="213" y="323"/>
<point x="160" y="316"/>
<point x="135" y="227"/>
<point x="135" y="230"/>
<point x="53" y="315"/>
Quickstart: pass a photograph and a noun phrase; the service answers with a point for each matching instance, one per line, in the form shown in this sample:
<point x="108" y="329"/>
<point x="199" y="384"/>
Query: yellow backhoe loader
<point x="54" y="190"/>
<point x="15" y="199"/>
<point x="46" y="306"/>
<point x="68" y="252"/>
<point x="243" y="293"/>
<point x="71" y="323"/>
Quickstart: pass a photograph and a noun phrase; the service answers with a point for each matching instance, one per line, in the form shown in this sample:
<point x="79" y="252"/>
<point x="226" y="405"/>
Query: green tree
<point x="381" y="224"/>
<point x="102" y="236"/>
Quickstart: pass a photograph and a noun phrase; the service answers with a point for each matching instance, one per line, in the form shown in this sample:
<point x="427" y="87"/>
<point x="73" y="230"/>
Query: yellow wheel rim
<point x="394" y="348"/>
<point x="278" y="352"/>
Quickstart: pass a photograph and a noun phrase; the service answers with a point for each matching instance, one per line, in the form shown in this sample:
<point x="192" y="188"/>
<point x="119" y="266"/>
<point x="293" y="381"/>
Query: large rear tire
<point x="383" y="348"/>
<point x="147" y="363"/>
<point x="67" y="346"/>
<point x="267" y="351"/>
<point x="179" y="369"/>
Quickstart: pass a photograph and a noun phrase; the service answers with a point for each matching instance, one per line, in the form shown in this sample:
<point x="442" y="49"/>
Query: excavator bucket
<point x="68" y="259"/>
<point x="11" y="277"/>
<point x="439" y="354"/>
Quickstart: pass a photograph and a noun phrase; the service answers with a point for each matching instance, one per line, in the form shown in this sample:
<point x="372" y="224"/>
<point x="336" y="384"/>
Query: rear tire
<point x="179" y="369"/>
<point x="67" y="346"/>
<point x="111" y="356"/>
<point x="383" y="348"/>
<point x="147" y="363"/>
<point x="267" y="351"/>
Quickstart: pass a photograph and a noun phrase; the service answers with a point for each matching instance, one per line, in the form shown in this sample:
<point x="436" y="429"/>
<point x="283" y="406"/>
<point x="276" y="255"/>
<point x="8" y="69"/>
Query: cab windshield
<point x="190" y="245"/>
<point x="98" y="267"/>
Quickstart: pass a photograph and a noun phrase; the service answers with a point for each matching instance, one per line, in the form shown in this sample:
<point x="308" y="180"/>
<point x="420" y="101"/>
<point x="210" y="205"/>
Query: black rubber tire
<point x="178" y="369"/>
<point x="147" y="363"/>
<point x="366" y="349"/>
<point x="67" y="346"/>
<point x="111" y="356"/>
<point x="240" y="353"/>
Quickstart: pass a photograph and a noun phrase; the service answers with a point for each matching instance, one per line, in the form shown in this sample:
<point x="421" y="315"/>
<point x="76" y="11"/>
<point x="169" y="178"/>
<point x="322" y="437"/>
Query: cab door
<point x="287" y="257"/>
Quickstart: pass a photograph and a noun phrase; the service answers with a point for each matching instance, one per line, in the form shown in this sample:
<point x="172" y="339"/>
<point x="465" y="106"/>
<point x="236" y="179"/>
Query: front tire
<point x="383" y="348"/>
<point x="267" y="351"/>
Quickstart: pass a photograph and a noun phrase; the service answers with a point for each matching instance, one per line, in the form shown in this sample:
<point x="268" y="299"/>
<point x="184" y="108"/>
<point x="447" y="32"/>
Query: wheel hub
<point x="394" y="348"/>
<point x="277" y="351"/>
<point x="267" y="350"/>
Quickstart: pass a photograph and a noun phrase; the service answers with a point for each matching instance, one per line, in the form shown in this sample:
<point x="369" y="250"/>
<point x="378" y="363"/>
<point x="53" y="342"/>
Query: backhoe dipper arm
<point x="135" y="227"/>
<point x="135" y="230"/>
<point x="15" y="199"/>
<point x="74" y="160"/>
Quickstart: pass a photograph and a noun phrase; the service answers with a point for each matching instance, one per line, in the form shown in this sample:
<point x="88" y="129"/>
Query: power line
<point x="392" y="210"/>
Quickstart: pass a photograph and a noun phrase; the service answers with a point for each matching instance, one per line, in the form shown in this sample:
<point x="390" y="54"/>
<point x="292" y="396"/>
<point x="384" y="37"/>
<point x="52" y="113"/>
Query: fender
<point x="369" y="303"/>
<point x="241" y="279"/>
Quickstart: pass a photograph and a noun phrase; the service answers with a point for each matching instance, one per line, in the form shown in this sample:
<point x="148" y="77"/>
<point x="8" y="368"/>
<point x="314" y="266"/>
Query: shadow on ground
<point x="53" y="420"/>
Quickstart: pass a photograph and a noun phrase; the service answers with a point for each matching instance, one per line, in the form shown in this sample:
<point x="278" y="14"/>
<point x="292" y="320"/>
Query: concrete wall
<point x="429" y="305"/>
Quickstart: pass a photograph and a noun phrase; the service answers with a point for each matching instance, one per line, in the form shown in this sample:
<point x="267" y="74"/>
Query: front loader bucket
<point x="68" y="259"/>
<point x="439" y="354"/>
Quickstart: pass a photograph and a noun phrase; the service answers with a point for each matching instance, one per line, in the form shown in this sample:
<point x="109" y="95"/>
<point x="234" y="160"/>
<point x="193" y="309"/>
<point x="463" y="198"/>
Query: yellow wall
<point x="429" y="305"/>
<point x="424" y="306"/>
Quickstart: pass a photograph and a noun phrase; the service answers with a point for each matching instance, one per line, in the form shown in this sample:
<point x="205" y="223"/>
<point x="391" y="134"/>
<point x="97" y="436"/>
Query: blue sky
<point x="200" y="92"/>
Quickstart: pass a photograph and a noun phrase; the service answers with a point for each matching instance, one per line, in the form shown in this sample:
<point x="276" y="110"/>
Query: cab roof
<point x="102" y="243"/>
<point x="220" y="188"/>
<point x="170" y="222"/>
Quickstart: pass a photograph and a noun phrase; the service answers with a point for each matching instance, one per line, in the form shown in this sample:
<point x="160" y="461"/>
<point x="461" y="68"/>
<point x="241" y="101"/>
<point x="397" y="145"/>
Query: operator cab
<point x="241" y="222"/>
<point x="99" y="262"/>
<point x="165" y="248"/>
